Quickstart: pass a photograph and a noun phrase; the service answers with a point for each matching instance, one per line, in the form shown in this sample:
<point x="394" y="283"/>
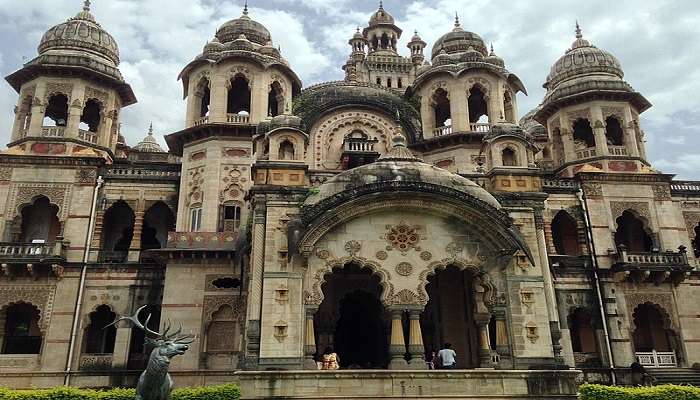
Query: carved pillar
<point x="459" y="108"/>
<point x="502" y="346"/>
<point x="256" y="277"/>
<point x="310" y="340"/>
<point x="549" y="295"/>
<point x="601" y="141"/>
<point x="75" y="111"/>
<point x="38" y="109"/>
<point x="415" y="341"/>
<point x="218" y="98"/>
<point x="397" y="345"/>
<point x="482" y="322"/>
<point x="122" y="342"/>
<point x="630" y="134"/>
<point x="135" y="246"/>
<point x="427" y="114"/>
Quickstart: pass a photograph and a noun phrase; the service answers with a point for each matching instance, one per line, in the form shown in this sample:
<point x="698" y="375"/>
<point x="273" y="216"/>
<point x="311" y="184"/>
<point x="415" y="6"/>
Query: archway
<point x="449" y="316"/>
<point x="477" y="105"/>
<point x="21" y="334"/>
<point x="613" y="131"/>
<point x="565" y="234"/>
<point x="157" y="222"/>
<point x="98" y="339"/>
<point x="652" y="329"/>
<point x="275" y="100"/>
<point x="441" y="106"/>
<point x="117" y="232"/>
<point x="631" y="232"/>
<point x="583" y="134"/>
<point x="40" y="222"/>
<point x="238" y="96"/>
<point x="351" y="319"/>
<point x="56" y="110"/>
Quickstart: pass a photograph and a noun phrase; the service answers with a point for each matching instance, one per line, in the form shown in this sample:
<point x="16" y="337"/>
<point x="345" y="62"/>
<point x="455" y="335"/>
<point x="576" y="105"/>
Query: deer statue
<point x="155" y="382"/>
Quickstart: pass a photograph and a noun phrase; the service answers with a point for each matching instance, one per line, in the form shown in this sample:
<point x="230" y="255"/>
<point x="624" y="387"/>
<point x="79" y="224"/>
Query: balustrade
<point x="87" y="136"/>
<point x="617" y="150"/>
<point x="237" y="119"/>
<point x="659" y="359"/>
<point x="585" y="153"/>
<point x="93" y="362"/>
<point x="364" y="146"/>
<point x="553" y="183"/>
<point x="480" y="127"/>
<point x="135" y="172"/>
<point x="679" y="258"/>
<point x="53" y="131"/>
<point x="27" y="250"/>
<point x="201" y="121"/>
<point x="442" y="130"/>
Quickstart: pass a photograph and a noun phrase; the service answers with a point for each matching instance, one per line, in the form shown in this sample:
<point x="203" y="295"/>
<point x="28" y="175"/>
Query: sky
<point x="657" y="42"/>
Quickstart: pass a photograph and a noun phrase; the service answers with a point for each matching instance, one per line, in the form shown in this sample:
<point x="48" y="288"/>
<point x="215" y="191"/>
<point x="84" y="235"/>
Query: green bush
<point x="661" y="392"/>
<point x="223" y="392"/>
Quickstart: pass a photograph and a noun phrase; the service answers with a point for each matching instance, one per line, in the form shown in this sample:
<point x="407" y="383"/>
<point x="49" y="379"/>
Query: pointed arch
<point x="633" y="232"/>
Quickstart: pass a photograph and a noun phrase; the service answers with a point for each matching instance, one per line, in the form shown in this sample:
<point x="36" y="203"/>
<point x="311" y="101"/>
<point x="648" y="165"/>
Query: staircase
<point x="676" y="376"/>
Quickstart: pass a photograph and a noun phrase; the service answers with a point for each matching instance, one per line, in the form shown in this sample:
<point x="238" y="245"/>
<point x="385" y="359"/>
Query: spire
<point x="150" y="130"/>
<point x="580" y="41"/>
<point x="492" y="52"/>
<point x="381" y="5"/>
<point x="458" y="26"/>
<point x="86" y="5"/>
<point x="245" y="8"/>
<point x="579" y="35"/>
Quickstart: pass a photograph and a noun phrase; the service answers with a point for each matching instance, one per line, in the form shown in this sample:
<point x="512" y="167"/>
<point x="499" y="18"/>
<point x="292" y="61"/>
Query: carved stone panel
<point x="663" y="300"/>
<point x="641" y="208"/>
<point x="41" y="297"/>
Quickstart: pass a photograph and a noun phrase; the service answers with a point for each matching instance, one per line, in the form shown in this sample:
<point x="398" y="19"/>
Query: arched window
<point x="613" y="131"/>
<point x="56" y="111"/>
<point x="223" y="334"/>
<point x="385" y="42"/>
<point x="583" y="134"/>
<point x="203" y="98"/>
<point x="442" y="108"/>
<point x="238" y="96"/>
<point x="565" y="234"/>
<point x="508" y="108"/>
<point x="195" y="218"/>
<point x="117" y="232"/>
<point x="286" y="150"/>
<point x="275" y="100"/>
<point x="477" y="105"/>
<point x="157" y="222"/>
<point x="40" y="222"/>
<point x="98" y="339"/>
<point x="509" y="157"/>
<point x="696" y="241"/>
<point x="230" y="218"/>
<point x="651" y="331"/>
<point x="21" y="334"/>
<point x="138" y="351"/>
<point x="90" y="119"/>
<point x="582" y="332"/>
<point x="631" y="232"/>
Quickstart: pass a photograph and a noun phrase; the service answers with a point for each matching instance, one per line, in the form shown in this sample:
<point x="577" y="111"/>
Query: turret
<point x="417" y="45"/>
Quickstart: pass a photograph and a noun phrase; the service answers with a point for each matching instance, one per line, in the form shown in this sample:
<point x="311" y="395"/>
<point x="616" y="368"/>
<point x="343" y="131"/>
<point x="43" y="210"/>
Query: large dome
<point x="583" y="59"/>
<point x="81" y="34"/>
<point x="459" y="41"/>
<point x="381" y="17"/>
<point x="253" y="30"/>
<point x="149" y="143"/>
<point x="401" y="166"/>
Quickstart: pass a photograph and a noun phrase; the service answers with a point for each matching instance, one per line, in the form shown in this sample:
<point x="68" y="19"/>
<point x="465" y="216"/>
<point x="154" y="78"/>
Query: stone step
<point x="676" y="376"/>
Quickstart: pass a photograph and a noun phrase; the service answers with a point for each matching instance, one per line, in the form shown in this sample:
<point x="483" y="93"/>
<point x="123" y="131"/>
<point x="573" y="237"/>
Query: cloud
<point x="658" y="46"/>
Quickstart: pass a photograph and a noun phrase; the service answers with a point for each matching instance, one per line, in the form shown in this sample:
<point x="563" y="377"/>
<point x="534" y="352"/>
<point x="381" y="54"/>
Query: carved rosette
<point x="402" y="237"/>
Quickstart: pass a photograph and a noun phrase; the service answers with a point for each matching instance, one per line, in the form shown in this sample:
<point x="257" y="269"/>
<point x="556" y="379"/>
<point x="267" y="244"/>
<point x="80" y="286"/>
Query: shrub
<point x="662" y="392"/>
<point x="223" y="392"/>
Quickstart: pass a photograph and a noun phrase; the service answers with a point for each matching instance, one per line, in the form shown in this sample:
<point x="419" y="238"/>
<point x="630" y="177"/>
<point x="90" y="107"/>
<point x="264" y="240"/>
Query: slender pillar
<point x="601" y="141"/>
<point x="502" y="346"/>
<point x="482" y="322"/>
<point x="36" y="121"/>
<point x="459" y="108"/>
<point x="397" y="345"/>
<point x="256" y="277"/>
<point x="310" y="340"/>
<point x="135" y="247"/>
<point x="120" y="356"/>
<point x="415" y="341"/>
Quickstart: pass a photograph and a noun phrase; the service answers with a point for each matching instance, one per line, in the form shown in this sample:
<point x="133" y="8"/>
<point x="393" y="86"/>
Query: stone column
<point x="415" y="341"/>
<point x="256" y="278"/>
<point x="502" y="346"/>
<point x="567" y="138"/>
<point x="120" y="356"/>
<point x="459" y="108"/>
<point x="218" y="98"/>
<point x="397" y="345"/>
<point x="549" y="294"/>
<point x="38" y="110"/>
<point x="427" y="114"/>
<point x="75" y="111"/>
<point x="630" y="134"/>
<point x="135" y="246"/>
<point x="601" y="141"/>
<point x="482" y="322"/>
<point x="310" y="340"/>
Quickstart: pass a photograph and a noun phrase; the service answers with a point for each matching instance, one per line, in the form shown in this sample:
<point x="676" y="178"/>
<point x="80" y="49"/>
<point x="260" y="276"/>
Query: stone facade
<point x="383" y="216"/>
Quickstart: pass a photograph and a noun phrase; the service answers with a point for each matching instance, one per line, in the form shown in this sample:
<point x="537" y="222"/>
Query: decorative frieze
<point x="619" y="207"/>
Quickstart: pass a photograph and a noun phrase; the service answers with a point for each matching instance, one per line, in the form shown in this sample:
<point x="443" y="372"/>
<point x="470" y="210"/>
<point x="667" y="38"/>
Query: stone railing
<point x="95" y="362"/>
<point x="201" y="121"/>
<point x="617" y="150"/>
<point x="655" y="358"/>
<point x="202" y="240"/>
<point x="685" y="186"/>
<point x="560" y="184"/>
<point x="585" y="153"/>
<point x="442" y="130"/>
<point x="31" y="250"/>
<point x="667" y="258"/>
<point x="359" y="146"/>
<point x="113" y="256"/>
<point x="116" y="172"/>
<point x="53" y="131"/>
<point x="480" y="127"/>
<point x="87" y="136"/>
<point x="237" y="119"/>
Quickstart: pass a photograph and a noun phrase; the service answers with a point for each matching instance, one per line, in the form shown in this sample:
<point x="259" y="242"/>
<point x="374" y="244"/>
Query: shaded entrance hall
<point x="351" y="319"/>
<point x="449" y="316"/>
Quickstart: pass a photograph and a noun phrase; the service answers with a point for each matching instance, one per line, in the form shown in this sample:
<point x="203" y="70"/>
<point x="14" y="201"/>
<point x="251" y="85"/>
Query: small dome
<point x="214" y="46"/>
<point x="583" y="59"/>
<point x="81" y="33"/>
<point x="400" y="165"/>
<point x="459" y="41"/>
<point x="492" y="58"/>
<point x="381" y="17"/>
<point x="531" y="126"/>
<point x="285" y="121"/>
<point x="358" y="35"/>
<point x="416" y="37"/>
<point x="149" y="144"/>
<point x="253" y="30"/>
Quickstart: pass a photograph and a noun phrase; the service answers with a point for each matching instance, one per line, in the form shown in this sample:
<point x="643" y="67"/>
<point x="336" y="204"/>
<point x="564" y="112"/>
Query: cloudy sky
<point x="657" y="41"/>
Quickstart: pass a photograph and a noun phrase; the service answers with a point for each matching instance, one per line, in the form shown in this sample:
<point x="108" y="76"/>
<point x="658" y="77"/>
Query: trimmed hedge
<point x="661" y="392"/>
<point x="223" y="392"/>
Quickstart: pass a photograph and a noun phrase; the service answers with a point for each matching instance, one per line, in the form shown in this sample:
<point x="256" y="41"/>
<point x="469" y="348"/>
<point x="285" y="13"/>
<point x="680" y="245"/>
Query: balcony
<point x="586" y="153"/>
<point x="480" y="127"/>
<point x="359" y="145"/>
<point x="87" y="136"/>
<point x="564" y="261"/>
<point x="53" y="131"/>
<point x="685" y="187"/>
<point x="95" y="362"/>
<point x="143" y="173"/>
<point x="237" y="119"/>
<point x="201" y="121"/>
<point x="442" y="130"/>
<point x="617" y="150"/>
<point x="656" y="267"/>
<point x="657" y="359"/>
<point x="113" y="257"/>
<point x="358" y="151"/>
<point x="202" y="240"/>
<point x="559" y="185"/>
<point x="28" y="252"/>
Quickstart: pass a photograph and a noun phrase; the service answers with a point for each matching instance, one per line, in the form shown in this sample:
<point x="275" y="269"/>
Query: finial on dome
<point x="86" y="5"/>
<point x="381" y="5"/>
<point x="245" y="8"/>
<point x="492" y="52"/>
<point x="150" y="129"/>
<point x="457" y="25"/>
<point x="579" y="35"/>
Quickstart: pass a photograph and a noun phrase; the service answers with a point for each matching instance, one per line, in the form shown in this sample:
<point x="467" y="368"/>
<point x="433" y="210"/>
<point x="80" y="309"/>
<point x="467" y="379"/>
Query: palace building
<point x="383" y="215"/>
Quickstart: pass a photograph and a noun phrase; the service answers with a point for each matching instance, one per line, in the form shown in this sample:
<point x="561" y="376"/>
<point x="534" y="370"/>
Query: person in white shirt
<point x="448" y="357"/>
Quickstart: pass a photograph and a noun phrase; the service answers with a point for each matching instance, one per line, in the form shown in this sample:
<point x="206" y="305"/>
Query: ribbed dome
<point x="459" y="41"/>
<point x="149" y="143"/>
<point x="400" y="165"/>
<point x="381" y="17"/>
<point x="583" y="59"/>
<point x="253" y="30"/>
<point x="83" y="34"/>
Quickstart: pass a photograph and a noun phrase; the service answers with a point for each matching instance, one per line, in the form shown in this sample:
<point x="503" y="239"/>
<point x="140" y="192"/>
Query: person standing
<point x="330" y="359"/>
<point x="448" y="357"/>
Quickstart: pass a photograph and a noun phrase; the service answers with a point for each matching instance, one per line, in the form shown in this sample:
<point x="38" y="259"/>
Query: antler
<point x="135" y="320"/>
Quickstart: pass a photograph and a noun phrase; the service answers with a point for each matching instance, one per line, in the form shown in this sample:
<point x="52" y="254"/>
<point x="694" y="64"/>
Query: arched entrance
<point x="449" y="316"/>
<point x="351" y="319"/>
<point x="654" y="340"/>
